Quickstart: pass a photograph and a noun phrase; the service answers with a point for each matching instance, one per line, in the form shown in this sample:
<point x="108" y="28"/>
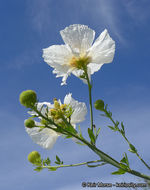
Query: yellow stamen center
<point x="79" y="62"/>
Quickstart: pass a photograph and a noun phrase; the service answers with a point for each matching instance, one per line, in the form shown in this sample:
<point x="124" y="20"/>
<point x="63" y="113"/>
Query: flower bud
<point x="34" y="157"/>
<point x="28" y="98"/>
<point x="99" y="105"/>
<point x="29" y="123"/>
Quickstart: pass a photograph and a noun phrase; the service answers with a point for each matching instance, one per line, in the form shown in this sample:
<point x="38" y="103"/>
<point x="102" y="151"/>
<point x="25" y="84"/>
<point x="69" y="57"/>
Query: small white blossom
<point x="46" y="138"/>
<point x="78" y="47"/>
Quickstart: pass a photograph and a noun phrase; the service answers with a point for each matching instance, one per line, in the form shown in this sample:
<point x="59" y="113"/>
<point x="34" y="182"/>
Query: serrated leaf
<point x="119" y="172"/>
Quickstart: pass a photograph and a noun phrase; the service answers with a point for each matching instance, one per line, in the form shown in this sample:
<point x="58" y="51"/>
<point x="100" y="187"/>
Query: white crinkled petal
<point x="45" y="138"/>
<point x="79" y="109"/>
<point x="78" y="73"/>
<point x="78" y="37"/>
<point x="94" y="67"/>
<point x="43" y="110"/>
<point x="58" y="56"/>
<point x="103" y="49"/>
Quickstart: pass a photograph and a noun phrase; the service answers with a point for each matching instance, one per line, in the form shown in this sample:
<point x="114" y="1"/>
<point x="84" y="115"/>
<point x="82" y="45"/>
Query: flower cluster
<point x="78" y="56"/>
<point x="47" y="121"/>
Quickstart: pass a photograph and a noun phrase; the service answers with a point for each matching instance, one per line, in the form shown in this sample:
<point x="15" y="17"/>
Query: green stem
<point x="90" y="97"/>
<point x="110" y="117"/>
<point x="104" y="157"/>
<point x="78" y="164"/>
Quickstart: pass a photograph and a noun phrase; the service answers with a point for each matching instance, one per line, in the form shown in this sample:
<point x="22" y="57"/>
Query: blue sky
<point x="29" y="26"/>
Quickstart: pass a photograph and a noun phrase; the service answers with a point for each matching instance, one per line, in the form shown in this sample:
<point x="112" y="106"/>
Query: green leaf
<point x="123" y="160"/>
<point x="80" y="143"/>
<point x="57" y="162"/>
<point x="119" y="172"/>
<point x="98" y="131"/>
<point x="68" y="136"/>
<point x="58" y="159"/>
<point x="95" y="130"/>
<point x="93" y="166"/>
<point x="112" y="128"/>
<point x="117" y="123"/>
<point x="123" y="166"/>
<point x="80" y="133"/>
<point x="47" y="162"/>
<point x="38" y="169"/>
<point x="71" y="129"/>
<point x="133" y="148"/>
<point x="127" y="161"/>
<point x="122" y="126"/>
<point x="52" y="168"/>
<point x="91" y="135"/>
<point x="131" y="151"/>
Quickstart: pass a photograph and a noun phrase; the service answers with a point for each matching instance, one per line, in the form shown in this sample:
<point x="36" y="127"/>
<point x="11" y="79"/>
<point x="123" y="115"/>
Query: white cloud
<point x="138" y="10"/>
<point x="28" y="57"/>
<point x="39" y="12"/>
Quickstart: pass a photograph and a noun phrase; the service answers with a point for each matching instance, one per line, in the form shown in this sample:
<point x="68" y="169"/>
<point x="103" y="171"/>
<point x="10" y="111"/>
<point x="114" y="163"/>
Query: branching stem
<point x="123" y="135"/>
<point x="78" y="164"/>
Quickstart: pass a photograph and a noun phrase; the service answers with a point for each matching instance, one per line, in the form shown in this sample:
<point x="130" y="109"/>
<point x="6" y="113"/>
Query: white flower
<point x="46" y="138"/>
<point x="78" y="47"/>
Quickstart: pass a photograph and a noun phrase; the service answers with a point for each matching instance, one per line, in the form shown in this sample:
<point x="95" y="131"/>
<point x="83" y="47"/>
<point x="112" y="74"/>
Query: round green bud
<point x="34" y="157"/>
<point x="29" y="123"/>
<point x="99" y="105"/>
<point x="28" y="98"/>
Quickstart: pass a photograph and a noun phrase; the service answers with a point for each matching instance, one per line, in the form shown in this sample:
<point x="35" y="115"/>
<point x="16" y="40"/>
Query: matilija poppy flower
<point x="71" y="109"/>
<point x="79" y="49"/>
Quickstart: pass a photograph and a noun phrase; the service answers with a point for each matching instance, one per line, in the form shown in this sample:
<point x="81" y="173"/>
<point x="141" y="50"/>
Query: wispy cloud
<point x="39" y="12"/>
<point x="138" y="10"/>
<point x="103" y="13"/>
<point x="110" y="16"/>
<point x="27" y="57"/>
